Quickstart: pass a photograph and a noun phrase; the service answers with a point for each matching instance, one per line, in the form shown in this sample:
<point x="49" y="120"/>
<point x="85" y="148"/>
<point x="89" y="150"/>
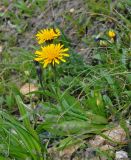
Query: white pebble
<point x="72" y="10"/>
<point x="121" y="155"/>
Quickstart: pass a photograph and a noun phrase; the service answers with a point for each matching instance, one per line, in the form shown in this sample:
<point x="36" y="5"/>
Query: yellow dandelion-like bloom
<point x="111" y="34"/>
<point x="51" y="54"/>
<point x="47" y="34"/>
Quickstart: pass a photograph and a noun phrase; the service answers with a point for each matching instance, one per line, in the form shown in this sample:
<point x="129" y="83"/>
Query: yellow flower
<point x="47" y="34"/>
<point x="111" y="34"/>
<point x="51" y="54"/>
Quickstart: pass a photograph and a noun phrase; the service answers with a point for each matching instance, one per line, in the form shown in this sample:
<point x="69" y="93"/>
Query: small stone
<point x="67" y="152"/>
<point x="121" y="155"/>
<point x="72" y="10"/>
<point x="106" y="147"/>
<point x="1" y="48"/>
<point x="64" y="154"/>
<point x="90" y="153"/>
<point x="117" y="134"/>
<point x="27" y="88"/>
<point x="98" y="141"/>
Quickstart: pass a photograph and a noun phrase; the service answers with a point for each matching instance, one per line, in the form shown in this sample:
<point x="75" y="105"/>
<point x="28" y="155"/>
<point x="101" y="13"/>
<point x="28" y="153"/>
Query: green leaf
<point x="15" y="138"/>
<point x="25" y="116"/>
<point x="96" y="119"/>
<point x="65" y="128"/>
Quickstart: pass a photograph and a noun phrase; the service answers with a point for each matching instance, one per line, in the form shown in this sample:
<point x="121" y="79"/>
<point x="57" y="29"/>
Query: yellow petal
<point x="45" y="64"/>
<point x="64" y="54"/>
<point x="63" y="60"/>
<point x="53" y="62"/>
<point x="66" y="49"/>
<point x="38" y="59"/>
<point x="56" y="60"/>
<point x="38" y="52"/>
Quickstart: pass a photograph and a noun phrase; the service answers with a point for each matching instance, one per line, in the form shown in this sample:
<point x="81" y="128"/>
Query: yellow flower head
<point x="51" y="54"/>
<point x="47" y="34"/>
<point x="111" y="34"/>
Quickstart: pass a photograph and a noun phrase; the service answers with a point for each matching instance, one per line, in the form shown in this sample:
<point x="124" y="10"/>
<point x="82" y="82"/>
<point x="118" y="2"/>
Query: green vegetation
<point x="84" y="97"/>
